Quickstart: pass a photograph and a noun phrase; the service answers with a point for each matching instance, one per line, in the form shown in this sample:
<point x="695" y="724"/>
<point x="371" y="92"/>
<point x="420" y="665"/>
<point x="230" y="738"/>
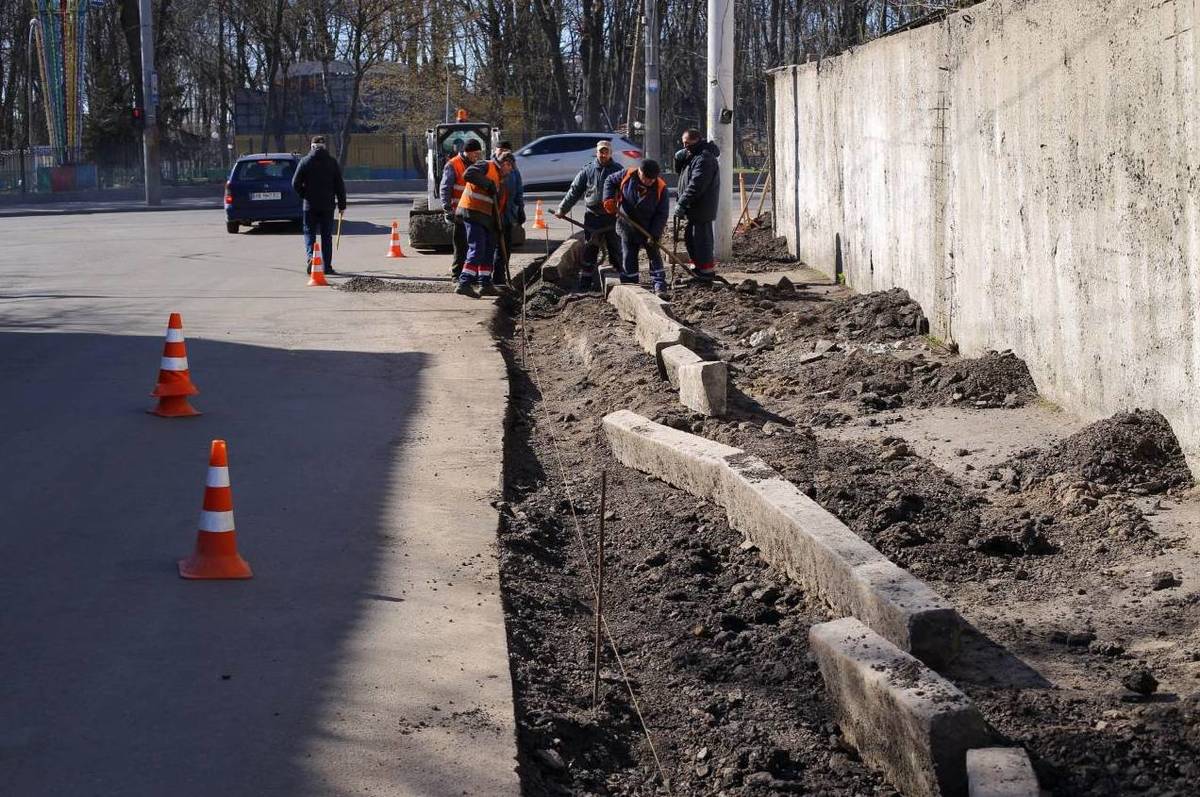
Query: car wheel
<point x="231" y="227"/>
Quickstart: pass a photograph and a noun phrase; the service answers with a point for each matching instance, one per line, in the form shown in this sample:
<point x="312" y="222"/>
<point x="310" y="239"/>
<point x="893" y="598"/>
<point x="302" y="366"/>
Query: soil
<point x="714" y="641"/>
<point x="757" y="249"/>
<point x="400" y="285"/>
<point x="1042" y="553"/>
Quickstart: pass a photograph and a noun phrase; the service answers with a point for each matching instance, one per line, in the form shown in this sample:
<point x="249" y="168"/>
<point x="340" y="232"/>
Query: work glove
<point x="449" y="217"/>
<point x="521" y="216"/>
<point x="610" y="206"/>
<point x="681" y="158"/>
<point x="680" y="214"/>
<point x="342" y="208"/>
<point x="560" y="213"/>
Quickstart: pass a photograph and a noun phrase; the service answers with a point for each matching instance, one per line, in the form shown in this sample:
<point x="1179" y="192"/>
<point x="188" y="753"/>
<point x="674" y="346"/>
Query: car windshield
<point x="265" y="169"/>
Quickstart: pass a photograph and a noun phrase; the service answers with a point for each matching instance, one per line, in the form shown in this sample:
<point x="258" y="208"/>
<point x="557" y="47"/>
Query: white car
<point x="551" y="162"/>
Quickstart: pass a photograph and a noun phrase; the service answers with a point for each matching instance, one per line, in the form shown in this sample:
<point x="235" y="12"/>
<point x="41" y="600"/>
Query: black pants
<point x="460" y="245"/>
<point x="599" y="229"/>
<point x="500" y="264"/>
<point x="319" y="222"/>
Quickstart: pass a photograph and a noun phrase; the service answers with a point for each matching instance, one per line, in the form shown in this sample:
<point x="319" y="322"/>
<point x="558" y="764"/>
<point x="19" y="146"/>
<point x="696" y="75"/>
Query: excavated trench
<point x="1043" y="548"/>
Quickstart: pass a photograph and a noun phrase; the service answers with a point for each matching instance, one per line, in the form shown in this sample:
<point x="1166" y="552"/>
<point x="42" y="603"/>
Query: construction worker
<point x="514" y="215"/>
<point x="451" y="191"/>
<point x="699" y="184"/>
<point x="597" y="225"/>
<point x="318" y="181"/>
<point x="639" y="195"/>
<point x="481" y="208"/>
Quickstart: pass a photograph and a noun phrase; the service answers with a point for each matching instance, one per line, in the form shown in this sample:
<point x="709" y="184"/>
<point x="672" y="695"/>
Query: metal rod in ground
<point x="599" y="592"/>
<point x="524" y="329"/>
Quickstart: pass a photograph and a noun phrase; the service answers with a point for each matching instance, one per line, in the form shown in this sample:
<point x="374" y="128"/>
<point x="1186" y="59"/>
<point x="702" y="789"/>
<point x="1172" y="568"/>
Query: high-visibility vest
<point x="659" y="182"/>
<point x="475" y="199"/>
<point x="460" y="165"/>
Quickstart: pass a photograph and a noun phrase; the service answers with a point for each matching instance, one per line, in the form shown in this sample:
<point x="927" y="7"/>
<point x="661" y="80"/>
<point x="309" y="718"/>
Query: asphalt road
<point x="367" y="655"/>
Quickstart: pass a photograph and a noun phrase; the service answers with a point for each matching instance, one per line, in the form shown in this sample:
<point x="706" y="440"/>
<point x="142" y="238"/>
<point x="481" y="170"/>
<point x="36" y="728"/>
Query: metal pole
<point x="447" y="119"/>
<point x="637" y="34"/>
<point x="599" y="592"/>
<point x="150" y="112"/>
<point x="30" y="57"/>
<point x="653" y="144"/>
<point x="720" y="114"/>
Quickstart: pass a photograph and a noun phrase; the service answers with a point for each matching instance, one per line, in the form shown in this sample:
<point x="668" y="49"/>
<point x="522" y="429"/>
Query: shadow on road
<point x="118" y="677"/>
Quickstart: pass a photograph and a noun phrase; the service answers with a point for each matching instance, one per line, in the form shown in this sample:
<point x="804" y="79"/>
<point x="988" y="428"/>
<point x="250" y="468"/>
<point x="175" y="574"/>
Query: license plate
<point x="265" y="195"/>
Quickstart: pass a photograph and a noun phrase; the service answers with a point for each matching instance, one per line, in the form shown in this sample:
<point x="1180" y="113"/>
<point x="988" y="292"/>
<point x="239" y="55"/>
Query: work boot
<point x="660" y="290"/>
<point x="308" y="266"/>
<point x="488" y="289"/>
<point x="586" y="284"/>
<point x="330" y="272"/>
<point x="464" y="289"/>
<point x="455" y="272"/>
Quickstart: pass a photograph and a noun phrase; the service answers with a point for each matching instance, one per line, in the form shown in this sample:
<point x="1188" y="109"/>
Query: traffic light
<point x="138" y="116"/>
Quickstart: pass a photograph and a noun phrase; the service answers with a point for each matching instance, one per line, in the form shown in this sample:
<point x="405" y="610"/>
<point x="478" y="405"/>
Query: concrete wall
<point x="1028" y="170"/>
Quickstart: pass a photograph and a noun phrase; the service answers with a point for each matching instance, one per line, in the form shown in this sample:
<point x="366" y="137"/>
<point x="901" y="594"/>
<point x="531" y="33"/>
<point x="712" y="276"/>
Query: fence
<point x="23" y="171"/>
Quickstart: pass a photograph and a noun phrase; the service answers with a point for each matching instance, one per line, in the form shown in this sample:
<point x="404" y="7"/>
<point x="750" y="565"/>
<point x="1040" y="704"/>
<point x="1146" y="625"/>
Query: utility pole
<point x="150" y="112"/>
<point x="30" y="57"/>
<point x="720" y="114"/>
<point x="653" y="142"/>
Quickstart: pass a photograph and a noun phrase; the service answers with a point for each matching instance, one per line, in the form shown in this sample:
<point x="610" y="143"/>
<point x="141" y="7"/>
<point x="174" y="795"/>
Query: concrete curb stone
<point x="793" y="532"/>
<point x="903" y="718"/>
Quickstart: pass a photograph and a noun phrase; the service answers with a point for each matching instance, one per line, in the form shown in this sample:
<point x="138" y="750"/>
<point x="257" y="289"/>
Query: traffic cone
<point x="394" y="249"/>
<point x="216" y="554"/>
<point x="539" y="219"/>
<point x="316" y="276"/>
<point x="174" y="381"/>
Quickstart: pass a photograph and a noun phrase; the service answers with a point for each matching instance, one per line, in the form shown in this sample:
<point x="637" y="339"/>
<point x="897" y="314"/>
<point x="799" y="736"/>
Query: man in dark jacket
<point x="450" y="190"/>
<point x="318" y="181"/>
<point x="598" y="226"/>
<point x="640" y="195"/>
<point x="514" y="214"/>
<point x="699" y="185"/>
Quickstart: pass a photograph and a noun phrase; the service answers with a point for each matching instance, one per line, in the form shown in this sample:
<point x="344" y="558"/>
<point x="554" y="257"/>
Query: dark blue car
<point x="260" y="189"/>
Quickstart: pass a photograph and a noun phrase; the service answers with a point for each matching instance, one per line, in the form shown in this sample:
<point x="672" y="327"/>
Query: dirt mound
<point x="1134" y="451"/>
<point x="757" y="249"/>
<point x="875" y="317"/>
<point x="361" y="284"/>
<point x="368" y="285"/>
<point x="993" y="380"/>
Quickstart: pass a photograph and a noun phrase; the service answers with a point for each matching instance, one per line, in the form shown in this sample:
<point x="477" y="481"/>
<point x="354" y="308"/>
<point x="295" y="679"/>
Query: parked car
<point x="260" y="189"/>
<point x="551" y="162"/>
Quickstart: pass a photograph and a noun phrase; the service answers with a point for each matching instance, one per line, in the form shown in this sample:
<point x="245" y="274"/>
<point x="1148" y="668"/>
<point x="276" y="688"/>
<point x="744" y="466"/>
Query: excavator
<point x="427" y="227"/>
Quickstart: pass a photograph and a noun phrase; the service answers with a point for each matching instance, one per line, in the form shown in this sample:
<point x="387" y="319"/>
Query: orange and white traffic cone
<point x="174" y="381"/>
<point x="394" y="249"/>
<point x="539" y="219"/>
<point x="216" y="554"/>
<point x="316" y="276"/>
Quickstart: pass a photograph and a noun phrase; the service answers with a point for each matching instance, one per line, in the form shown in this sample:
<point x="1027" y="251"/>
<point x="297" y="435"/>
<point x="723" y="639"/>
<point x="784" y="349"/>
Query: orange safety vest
<point x="456" y="191"/>
<point x="476" y="200"/>
<point x="615" y="202"/>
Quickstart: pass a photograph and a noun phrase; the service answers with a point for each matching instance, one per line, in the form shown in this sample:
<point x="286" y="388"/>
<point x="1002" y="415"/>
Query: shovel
<point x="675" y="261"/>
<point x="338" y="243"/>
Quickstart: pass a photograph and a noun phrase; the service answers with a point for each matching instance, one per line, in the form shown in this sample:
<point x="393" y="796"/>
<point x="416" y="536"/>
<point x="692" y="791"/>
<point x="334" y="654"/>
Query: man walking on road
<point x="514" y="215"/>
<point x="483" y="203"/>
<point x="699" y="184"/>
<point x="318" y="181"/>
<point x="641" y="195"/>
<point x="451" y="191"/>
<point x="589" y="184"/>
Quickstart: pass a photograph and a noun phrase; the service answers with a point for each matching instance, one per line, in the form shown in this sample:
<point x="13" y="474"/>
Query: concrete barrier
<point x="1001" y="772"/>
<point x="562" y="266"/>
<point x="902" y="717"/>
<point x="794" y="533"/>
<point x="654" y="325"/>
<point x="702" y="384"/>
